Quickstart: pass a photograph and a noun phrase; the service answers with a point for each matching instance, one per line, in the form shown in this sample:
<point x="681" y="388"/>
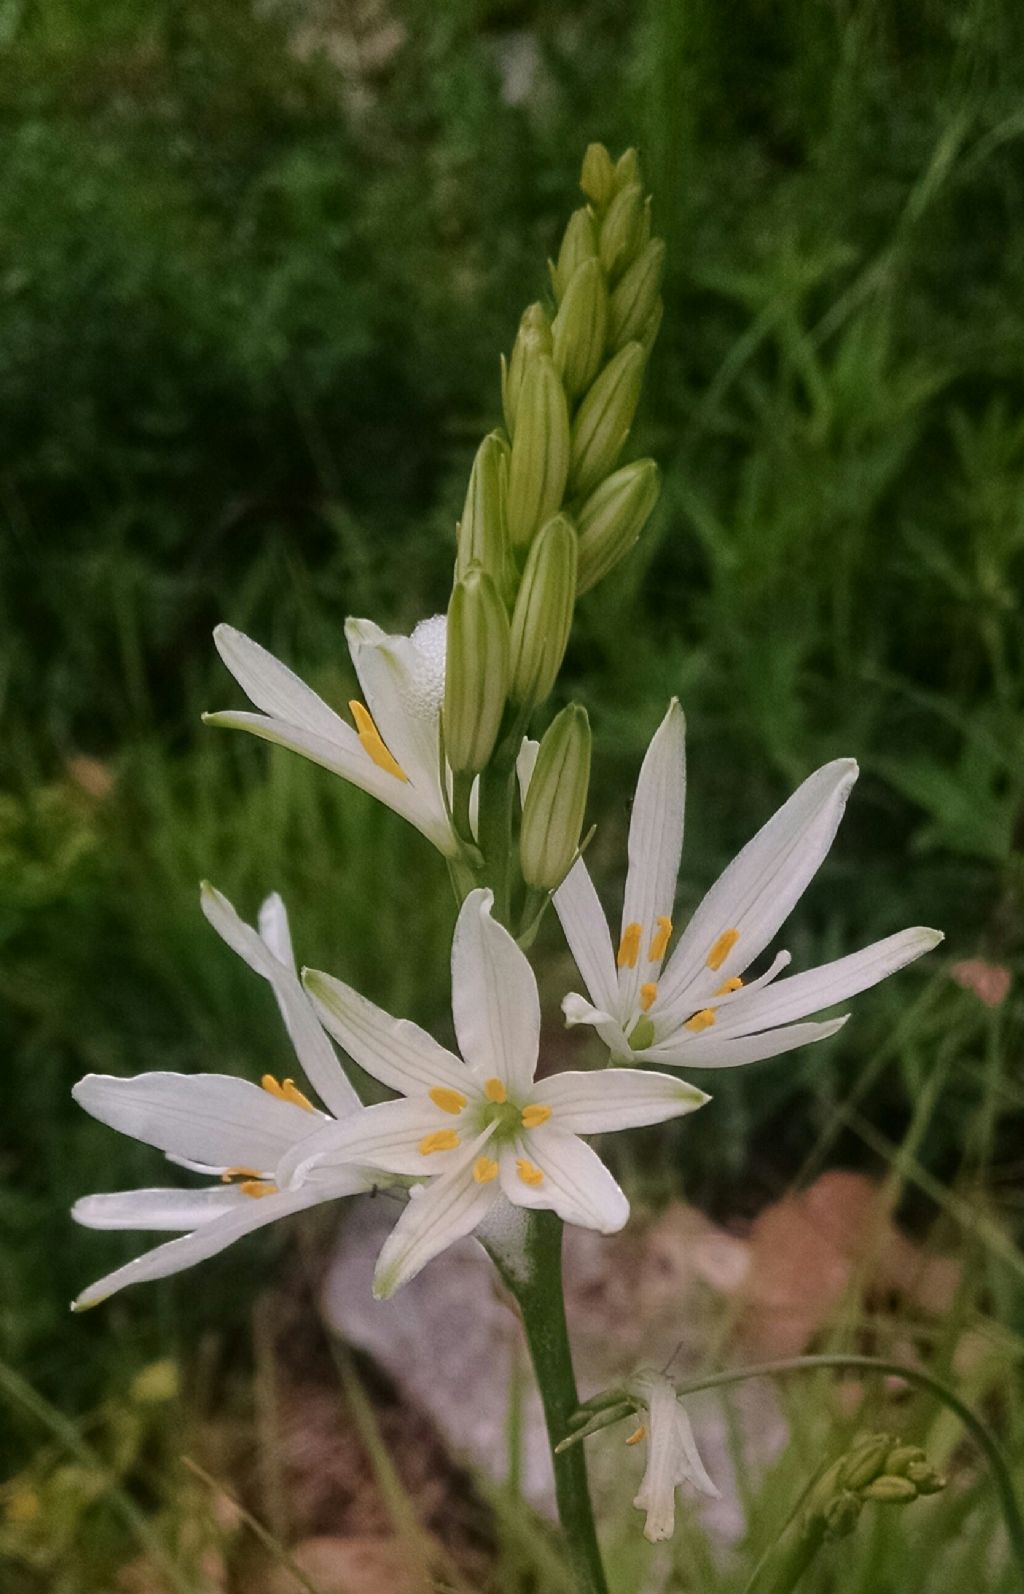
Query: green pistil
<point x="643" y="1034"/>
<point x="507" y="1118"/>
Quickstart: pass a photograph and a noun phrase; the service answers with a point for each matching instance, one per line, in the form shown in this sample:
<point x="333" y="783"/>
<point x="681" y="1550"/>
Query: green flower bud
<point x="900" y="1459"/>
<point x="543" y="613"/>
<point x="556" y="800"/>
<point x="924" y="1477"/>
<point x="540" y="451"/>
<point x="627" y="168"/>
<point x="604" y="418"/>
<point x="840" y="1514"/>
<point x="598" y="177"/>
<point x="476" y="672"/>
<point x="621" y="229"/>
<point x="483" y="530"/>
<point x="889" y="1491"/>
<point x="612" y="519"/>
<point x="864" y="1461"/>
<point x="533" y="337"/>
<point x="636" y="297"/>
<point x="579" y="327"/>
<point x="579" y="243"/>
<point x="652" y="328"/>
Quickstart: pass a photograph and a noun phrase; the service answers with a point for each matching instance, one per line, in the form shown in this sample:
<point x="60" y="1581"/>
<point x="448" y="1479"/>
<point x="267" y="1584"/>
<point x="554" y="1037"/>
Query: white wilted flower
<point x="696" y="1010"/>
<point x="486" y="1126"/>
<point x="672" y="1457"/>
<point x="227" y="1128"/>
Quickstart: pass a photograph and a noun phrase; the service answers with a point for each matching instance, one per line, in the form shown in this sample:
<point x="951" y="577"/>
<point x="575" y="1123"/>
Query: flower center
<point x="373" y="742"/>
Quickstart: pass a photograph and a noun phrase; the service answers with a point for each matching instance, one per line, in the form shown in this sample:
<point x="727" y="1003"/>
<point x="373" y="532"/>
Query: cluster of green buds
<point x="550" y="509"/>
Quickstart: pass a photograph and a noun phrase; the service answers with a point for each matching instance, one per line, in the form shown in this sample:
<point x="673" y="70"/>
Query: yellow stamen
<point x="373" y="743"/>
<point x="258" y="1187"/>
<point x="535" y="1115"/>
<point x="721" y="949"/>
<point x="702" y="1020"/>
<point x="629" y="946"/>
<point x="239" y="1173"/>
<point x="732" y="984"/>
<point x="447" y="1099"/>
<point x="440" y="1140"/>
<point x="484" y="1170"/>
<point x="657" y="947"/>
<point x="528" y="1173"/>
<point x="647" y="994"/>
<point x="291" y="1092"/>
<point x="641" y="1433"/>
<point x="495" y="1091"/>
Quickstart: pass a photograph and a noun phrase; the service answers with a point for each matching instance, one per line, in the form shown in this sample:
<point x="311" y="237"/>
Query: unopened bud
<point x="543" y="613"/>
<point x="612" y="519"/>
<point x="889" y="1491"/>
<point x="865" y="1461"/>
<point x="483" y="530"/>
<point x="476" y="672"/>
<point x="533" y="337"/>
<point x="621" y="229"/>
<point x="627" y="168"/>
<point x="636" y="297"/>
<point x="604" y="418"/>
<point x="579" y="243"/>
<point x="902" y="1457"/>
<point x="653" y="327"/>
<point x="925" y="1478"/>
<point x="839" y="1515"/>
<point x="579" y="327"/>
<point x="540" y="451"/>
<point x="598" y="176"/>
<point x="556" y="800"/>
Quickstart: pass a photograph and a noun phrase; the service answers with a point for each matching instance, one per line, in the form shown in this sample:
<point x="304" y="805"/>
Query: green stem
<point x="497" y="797"/>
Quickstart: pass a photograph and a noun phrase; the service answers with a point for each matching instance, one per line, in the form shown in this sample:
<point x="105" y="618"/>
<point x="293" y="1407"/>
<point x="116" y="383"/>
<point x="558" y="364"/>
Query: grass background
<point x="257" y="269"/>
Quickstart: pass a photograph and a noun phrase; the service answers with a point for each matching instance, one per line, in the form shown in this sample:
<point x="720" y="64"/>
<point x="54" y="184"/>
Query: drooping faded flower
<point x="696" y="1010"/>
<point x="672" y="1456"/>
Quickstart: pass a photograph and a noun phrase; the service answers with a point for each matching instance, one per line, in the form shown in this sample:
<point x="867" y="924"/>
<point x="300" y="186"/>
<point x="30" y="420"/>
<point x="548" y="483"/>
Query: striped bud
<point x="627" y="169"/>
<point x="612" y="519"/>
<point x="598" y="176"/>
<point x="620" y="235"/>
<point x="636" y="297"/>
<point x="542" y="616"/>
<point x="483" y="530"/>
<point x="889" y="1491"/>
<point x="579" y="243"/>
<point x="579" y="327"/>
<point x="533" y="337"/>
<point x="540" y="451"/>
<point x="865" y="1461"/>
<point x="604" y="418"/>
<point x="556" y="800"/>
<point x="476" y="672"/>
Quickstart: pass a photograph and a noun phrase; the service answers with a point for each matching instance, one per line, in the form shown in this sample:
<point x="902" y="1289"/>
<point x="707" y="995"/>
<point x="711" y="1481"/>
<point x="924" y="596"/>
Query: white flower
<point x="489" y="1129"/>
<point x="672" y="1457"/>
<point x="394" y="750"/>
<point x="221" y="1126"/>
<point x="696" y="1011"/>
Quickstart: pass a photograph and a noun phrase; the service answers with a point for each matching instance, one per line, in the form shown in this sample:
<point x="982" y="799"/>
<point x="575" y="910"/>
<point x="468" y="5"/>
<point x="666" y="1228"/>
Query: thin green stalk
<point x="497" y="797"/>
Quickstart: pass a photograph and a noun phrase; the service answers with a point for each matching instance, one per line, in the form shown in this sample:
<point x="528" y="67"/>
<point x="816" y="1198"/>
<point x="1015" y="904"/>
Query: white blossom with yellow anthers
<point x="392" y="750"/>
<point x="226" y="1128"/>
<point x="697" y="1009"/>
<point x="490" y="1130"/>
<point x="672" y="1457"/>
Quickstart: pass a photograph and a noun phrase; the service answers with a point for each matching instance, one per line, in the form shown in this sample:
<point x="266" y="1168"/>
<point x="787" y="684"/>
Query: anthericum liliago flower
<point x="227" y="1128"/>
<point x="697" y="1010"/>
<point x="672" y="1457"/>
<point x="490" y="1131"/>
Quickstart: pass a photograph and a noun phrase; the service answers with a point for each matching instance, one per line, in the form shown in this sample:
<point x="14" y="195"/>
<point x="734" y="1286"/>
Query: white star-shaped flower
<point x="491" y="1132"/>
<point x="672" y="1457"/>
<point x="696" y="1010"/>
<point x="226" y="1128"/>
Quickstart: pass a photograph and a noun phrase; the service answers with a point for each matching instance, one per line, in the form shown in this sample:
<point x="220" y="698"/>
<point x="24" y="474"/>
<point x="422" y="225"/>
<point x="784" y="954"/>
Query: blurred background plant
<point x="258" y="264"/>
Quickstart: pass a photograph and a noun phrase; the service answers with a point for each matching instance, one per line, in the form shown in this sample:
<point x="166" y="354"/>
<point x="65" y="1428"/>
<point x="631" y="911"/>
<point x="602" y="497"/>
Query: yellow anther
<point x="447" y="1099"/>
<point x="732" y="984"/>
<point x="641" y="1433"/>
<point x="273" y="1087"/>
<point x="484" y="1170"/>
<point x="495" y="1091"/>
<point x="656" y="950"/>
<point x="702" y="1020"/>
<point x="440" y="1140"/>
<point x="373" y="743"/>
<point x="629" y="946"/>
<point x="239" y="1173"/>
<point x="291" y="1092"/>
<point x="647" y="994"/>
<point x="528" y="1173"/>
<point x="535" y="1115"/>
<point x="258" y="1187"/>
<point x="722" y="947"/>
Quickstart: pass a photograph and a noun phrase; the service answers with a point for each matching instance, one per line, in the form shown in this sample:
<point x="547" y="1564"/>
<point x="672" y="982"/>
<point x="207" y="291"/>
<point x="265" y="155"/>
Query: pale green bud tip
<point x="889" y="1491"/>
<point x="635" y="301"/>
<point x="543" y="613"/>
<point x="539" y="464"/>
<point x="578" y="244"/>
<point x="476" y="672"/>
<point x="556" y="800"/>
<point x="580" y="327"/>
<point x="604" y="418"/>
<point x="483" y="530"/>
<point x="533" y="337"/>
<point x="627" y="168"/>
<point x="612" y="519"/>
<point x="622" y="230"/>
<point x="597" y="179"/>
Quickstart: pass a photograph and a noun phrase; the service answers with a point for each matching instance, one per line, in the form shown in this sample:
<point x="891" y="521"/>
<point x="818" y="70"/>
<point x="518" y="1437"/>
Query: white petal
<point x="213" y="1119"/>
<point x="759" y="889"/>
<point x="707" y="1051"/>
<point x="526" y="759"/>
<point x="273" y="687"/>
<point x="586" y="930"/>
<point x="494" y="997"/>
<point x="441" y="1213"/>
<point x="576" y="1183"/>
<point x="578" y="1011"/>
<point x="655" y="847"/>
<point x="177" y="1210"/>
<point x="809" y="992"/>
<point x="670" y="1016"/>
<point x="607" y="1099"/>
<point x="690" y="1467"/>
<point x="214" y="1237"/>
<point x="312" y="1048"/>
<point x="386" y="1137"/>
<point x="403" y="682"/>
<point x="394" y="1050"/>
<point x="657" y="1492"/>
